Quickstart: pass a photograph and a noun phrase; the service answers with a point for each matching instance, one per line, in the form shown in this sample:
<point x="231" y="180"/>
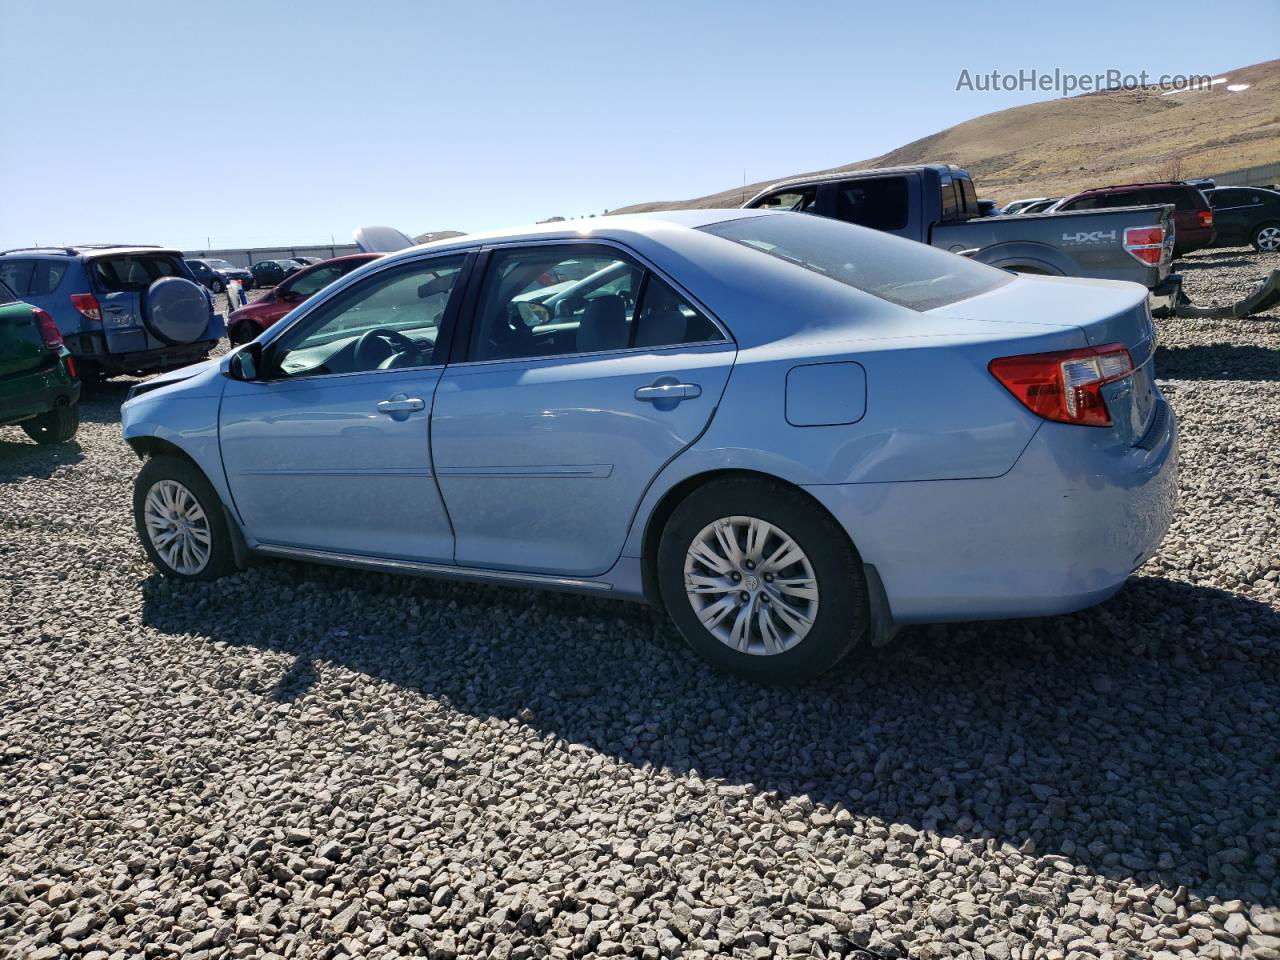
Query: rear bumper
<point x="34" y="392"/>
<point x="1167" y="294"/>
<point x="91" y="347"/>
<point x="1061" y="531"/>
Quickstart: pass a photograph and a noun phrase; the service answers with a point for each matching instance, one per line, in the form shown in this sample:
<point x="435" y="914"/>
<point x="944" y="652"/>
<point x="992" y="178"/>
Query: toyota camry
<point x="793" y="434"/>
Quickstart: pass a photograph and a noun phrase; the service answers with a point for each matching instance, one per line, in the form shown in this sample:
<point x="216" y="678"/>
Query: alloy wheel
<point x="178" y="527"/>
<point x="751" y="585"/>
<point x="1269" y="239"/>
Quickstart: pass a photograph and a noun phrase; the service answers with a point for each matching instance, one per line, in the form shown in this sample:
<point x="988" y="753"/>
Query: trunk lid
<point x="1105" y="312"/>
<point x="21" y="345"/>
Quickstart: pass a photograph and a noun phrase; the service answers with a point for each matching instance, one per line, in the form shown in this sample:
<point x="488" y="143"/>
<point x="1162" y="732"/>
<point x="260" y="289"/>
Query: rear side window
<point x="7" y="295"/>
<point x="16" y="275"/>
<point x="876" y="202"/>
<point x="45" y="276"/>
<point x="903" y="272"/>
<point x="1182" y="198"/>
<point x="801" y="200"/>
<point x="132" y="273"/>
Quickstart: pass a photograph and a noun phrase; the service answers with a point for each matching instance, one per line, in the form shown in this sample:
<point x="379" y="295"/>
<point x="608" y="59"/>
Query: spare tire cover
<point x="176" y="310"/>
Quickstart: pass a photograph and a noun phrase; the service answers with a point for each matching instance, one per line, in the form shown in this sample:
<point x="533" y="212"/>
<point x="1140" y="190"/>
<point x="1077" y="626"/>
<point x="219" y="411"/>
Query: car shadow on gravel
<point x="21" y="458"/>
<point x="101" y="402"/>
<point x="1217" y="361"/>
<point x="1138" y="739"/>
<point x="1233" y="261"/>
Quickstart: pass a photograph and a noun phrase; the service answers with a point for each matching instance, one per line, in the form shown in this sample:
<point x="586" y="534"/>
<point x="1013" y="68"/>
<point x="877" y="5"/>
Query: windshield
<point x="220" y="265"/>
<point x="904" y="272"/>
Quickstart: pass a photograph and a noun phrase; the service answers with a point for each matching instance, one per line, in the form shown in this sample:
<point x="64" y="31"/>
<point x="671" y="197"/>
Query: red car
<point x="246" y="323"/>
<point x="1192" y="215"/>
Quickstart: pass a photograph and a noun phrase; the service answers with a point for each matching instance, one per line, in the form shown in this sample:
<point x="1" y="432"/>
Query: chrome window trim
<point x="622" y="352"/>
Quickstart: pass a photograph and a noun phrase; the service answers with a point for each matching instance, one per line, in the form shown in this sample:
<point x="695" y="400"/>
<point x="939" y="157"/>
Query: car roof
<point x="619" y="227"/>
<point x="1131" y="186"/>
<point x="90" y="250"/>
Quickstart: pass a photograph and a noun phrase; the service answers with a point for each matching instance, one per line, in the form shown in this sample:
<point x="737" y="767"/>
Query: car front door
<point x="330" y="450"/>
<point x="583" y="373"/>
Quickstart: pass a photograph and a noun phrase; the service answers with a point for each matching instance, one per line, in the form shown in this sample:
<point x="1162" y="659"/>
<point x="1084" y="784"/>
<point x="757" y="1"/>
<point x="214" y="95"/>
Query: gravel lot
<point x="304" y="762"/>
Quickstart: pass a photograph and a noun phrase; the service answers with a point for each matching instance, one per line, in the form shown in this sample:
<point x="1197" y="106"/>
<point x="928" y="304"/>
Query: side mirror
<point x="246" y="363"/>
<point x="533" y="314"/>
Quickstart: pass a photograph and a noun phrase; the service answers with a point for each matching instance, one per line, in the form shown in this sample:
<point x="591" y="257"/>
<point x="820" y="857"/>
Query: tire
<point x="242" y="332"/>
<point x="217" y="286"/>
<point x="57" y="426"/>
<point x="841" y="617"/>
<point x="218" y="558"/>
<point x="1266" y="239"/>
<point x="176" y="311"/>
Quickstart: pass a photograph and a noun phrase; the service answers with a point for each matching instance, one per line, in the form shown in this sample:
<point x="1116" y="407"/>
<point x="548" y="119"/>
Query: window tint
<point x="16" y="274"/>
<point x="387" y="322"/>
<point x="904" y="272"/>
<point x="307" y="284"/>
<point x="879" y="203"/>
<point x="800" y="200"/>
<point x="1182" y="198"/>
<point x="968" y="195"/>
<point x="6" y="295"/>
<point x="950" y="199"/>
<point x="132" y="273"/>
<point x="559" y="300"/>
<point x="45" y="276"/>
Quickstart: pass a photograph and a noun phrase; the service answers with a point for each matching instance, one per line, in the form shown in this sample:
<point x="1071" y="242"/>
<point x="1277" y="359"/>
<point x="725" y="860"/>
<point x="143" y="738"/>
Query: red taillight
<point x="1206" y="217"/>
<point x="49" y="331"/>
<point x="1145" y="243"/>
<point x="87" y="305"/>
<point x="1065" y="385"/>
<point x="71" y="368"/>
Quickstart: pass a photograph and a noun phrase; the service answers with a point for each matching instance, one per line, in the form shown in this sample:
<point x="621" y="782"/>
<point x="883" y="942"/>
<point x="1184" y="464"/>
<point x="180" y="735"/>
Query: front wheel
<point x="761" y="581"/>
<point x="179" y="520"/>
<point x="57" y="426"/>
<point x="1266" y="239"/>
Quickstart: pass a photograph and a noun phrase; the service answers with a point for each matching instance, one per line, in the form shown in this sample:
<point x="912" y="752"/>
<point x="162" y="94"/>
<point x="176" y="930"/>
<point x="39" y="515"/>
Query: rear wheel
<point x="57" y="426"/>
<point x="1266" y="239"/>
<point x="761" y="581"/>
<point x="179" y="520"/>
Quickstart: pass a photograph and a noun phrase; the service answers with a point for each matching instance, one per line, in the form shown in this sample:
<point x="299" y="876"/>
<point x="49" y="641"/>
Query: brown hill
<point x="1060" y="146"/>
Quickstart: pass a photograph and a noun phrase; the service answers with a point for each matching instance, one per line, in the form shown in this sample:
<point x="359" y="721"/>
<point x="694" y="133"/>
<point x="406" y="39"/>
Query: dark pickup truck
<point x="936" y="203"/>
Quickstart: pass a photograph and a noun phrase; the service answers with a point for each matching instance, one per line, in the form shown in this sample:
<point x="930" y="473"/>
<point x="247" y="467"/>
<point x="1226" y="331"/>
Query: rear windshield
<point x="904" y="272"/>
<point x="133" y="272"/>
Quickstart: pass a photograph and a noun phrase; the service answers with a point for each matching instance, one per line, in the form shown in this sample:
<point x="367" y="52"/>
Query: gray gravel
<point x="303" y="762"/>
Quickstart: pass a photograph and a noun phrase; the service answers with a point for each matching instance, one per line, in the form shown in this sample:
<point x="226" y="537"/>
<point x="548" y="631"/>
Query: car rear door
<point x="581" y="373"/>
<point x="1234" y="214"/>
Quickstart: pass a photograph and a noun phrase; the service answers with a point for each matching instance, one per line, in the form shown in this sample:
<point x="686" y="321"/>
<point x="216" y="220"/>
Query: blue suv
<point x="120" y="309"/>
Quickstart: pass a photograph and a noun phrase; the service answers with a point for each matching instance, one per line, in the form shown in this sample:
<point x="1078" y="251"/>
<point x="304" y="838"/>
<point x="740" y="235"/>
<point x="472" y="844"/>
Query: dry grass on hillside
<point x="1060" y="146"/>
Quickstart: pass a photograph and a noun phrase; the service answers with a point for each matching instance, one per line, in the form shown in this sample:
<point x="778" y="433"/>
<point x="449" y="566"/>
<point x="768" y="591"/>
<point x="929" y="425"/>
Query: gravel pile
<point x="302" y="762"/>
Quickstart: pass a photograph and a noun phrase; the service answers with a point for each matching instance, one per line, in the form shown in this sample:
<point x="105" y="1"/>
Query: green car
<point x="39" y="389"/>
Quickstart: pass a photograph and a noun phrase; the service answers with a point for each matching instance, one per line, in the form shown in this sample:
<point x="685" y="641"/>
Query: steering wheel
<point x="379" y="344"/>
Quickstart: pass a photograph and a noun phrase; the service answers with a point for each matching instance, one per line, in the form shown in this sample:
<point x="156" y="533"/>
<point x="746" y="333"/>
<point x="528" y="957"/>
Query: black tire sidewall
<point x="57" y="426"/>
<point x="222" y="557"/>
<point x="843" y="611"/>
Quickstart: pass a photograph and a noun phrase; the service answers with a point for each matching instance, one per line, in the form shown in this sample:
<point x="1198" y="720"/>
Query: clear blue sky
<point x="274" y="122"/>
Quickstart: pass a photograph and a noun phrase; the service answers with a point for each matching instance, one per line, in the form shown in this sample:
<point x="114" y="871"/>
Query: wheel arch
<point x="672" y="498"/>
<point x="147" y="446"/>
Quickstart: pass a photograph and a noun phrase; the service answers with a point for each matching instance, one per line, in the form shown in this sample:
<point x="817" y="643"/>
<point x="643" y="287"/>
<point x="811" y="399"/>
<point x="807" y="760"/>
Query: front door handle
<point x="669" y="390"/>
<point x="401" y="404"/>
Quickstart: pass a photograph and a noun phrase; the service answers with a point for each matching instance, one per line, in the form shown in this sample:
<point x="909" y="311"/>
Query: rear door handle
<point x="669" y="391"/>
<point x="401" y="404"/>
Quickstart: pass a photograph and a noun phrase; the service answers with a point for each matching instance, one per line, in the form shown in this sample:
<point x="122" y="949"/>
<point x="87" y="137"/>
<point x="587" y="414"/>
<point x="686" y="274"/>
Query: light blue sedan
<point x="793" y="433"/>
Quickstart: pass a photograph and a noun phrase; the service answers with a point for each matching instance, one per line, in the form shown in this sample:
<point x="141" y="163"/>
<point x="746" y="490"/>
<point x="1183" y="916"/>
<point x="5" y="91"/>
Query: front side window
<point x="45" y="276"/>
<point x="876" y="202"/>
<point x="557" y="300"/>
<point x="389" y="321"/>
<point x="903" y="272"/>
